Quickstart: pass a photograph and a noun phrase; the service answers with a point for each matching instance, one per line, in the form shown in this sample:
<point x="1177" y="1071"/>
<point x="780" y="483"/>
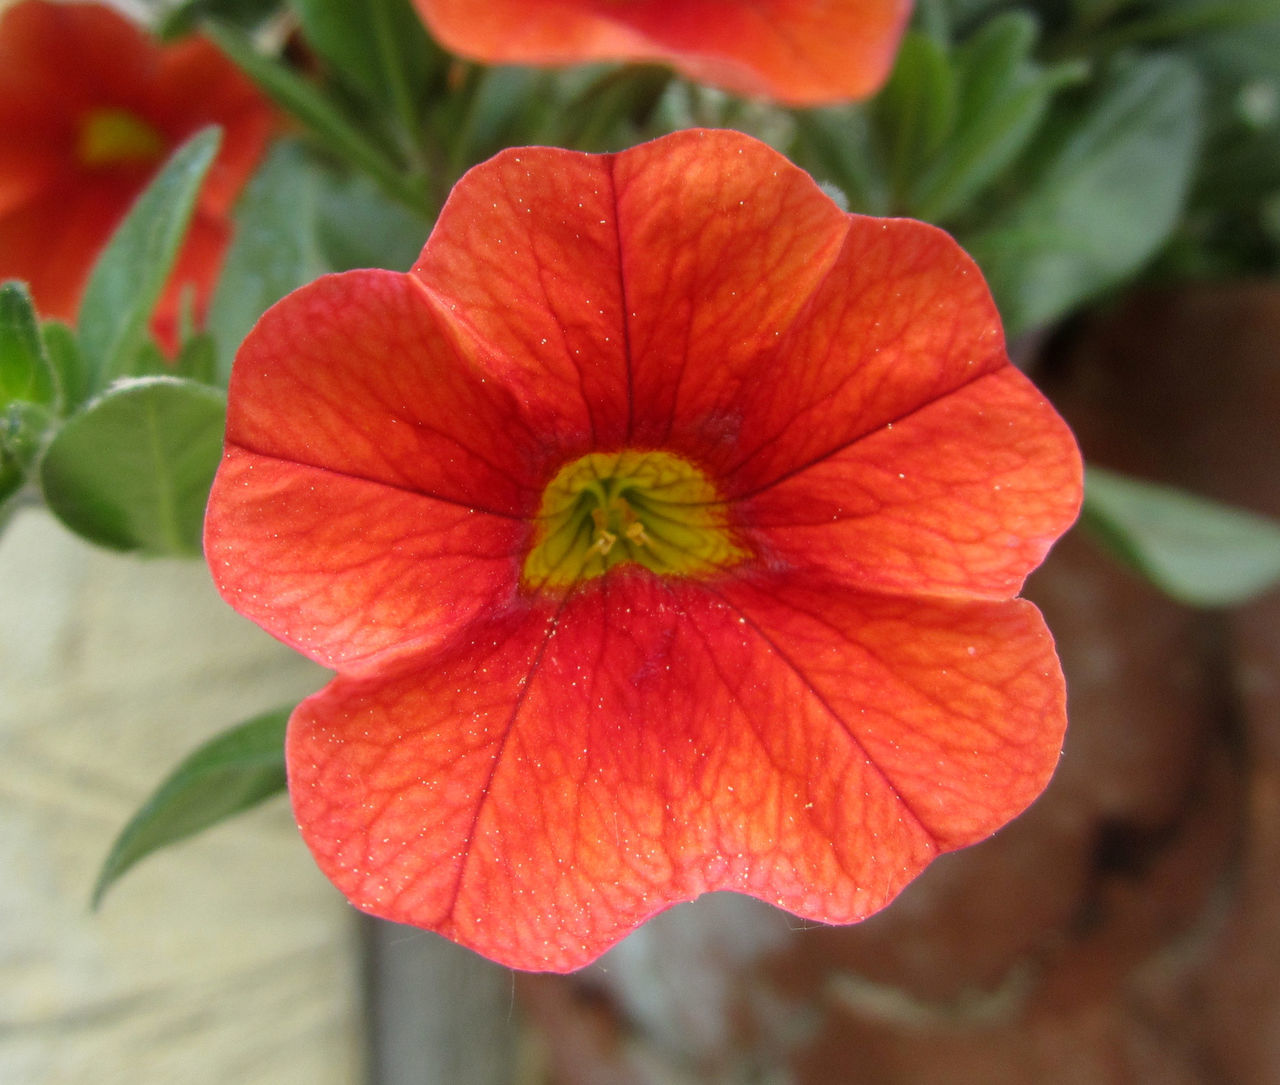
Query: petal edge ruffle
<point x="537" y="794"/>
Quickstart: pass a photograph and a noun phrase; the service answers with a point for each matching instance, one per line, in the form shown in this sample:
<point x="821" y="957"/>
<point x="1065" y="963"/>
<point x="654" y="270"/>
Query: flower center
<point x="652" y="508"/>
<point x="112" y="137"/>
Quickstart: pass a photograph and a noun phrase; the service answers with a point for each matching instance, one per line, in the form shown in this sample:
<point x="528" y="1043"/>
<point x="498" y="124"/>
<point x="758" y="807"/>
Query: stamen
<point x="661" y="509"/>
<point x="632" y="527"/>
<point x="604" y="537"/>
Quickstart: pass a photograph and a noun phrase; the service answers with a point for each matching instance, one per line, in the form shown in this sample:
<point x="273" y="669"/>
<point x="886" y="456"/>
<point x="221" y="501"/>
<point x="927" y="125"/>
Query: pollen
<point x="651" y="508"/>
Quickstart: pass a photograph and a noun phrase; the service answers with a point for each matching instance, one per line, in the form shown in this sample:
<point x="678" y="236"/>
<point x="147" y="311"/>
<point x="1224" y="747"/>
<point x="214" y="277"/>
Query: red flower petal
<point x="361" y="521"/>
<point x="902" y="318"/>
<point x="962" y="496"/>
<point x="348" y="572"/>
<point x="535" y="297"/>
<point x="715" y="266"/>
<point x="802" y="52"/>
<point x="663" y="276"/>
<point x="564" y="774"/>
<point x="60" y="59"/>
<point x="45" y="240"/>
<point x="31" y="165"/>
<point x="197" y="86"/>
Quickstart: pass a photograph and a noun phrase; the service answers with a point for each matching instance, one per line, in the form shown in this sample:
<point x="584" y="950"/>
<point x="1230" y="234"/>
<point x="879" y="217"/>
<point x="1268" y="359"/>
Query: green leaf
<point x="185" y="18"/>
<point x="28" y="392"/>
<point x="491" y="110"/>
<point x="1113" y="180"/>
<point x="837" y="145"/>
<point x="1200" y="552"/>
<point x="149" y="361"/>
<point x="357" y="227"/>
<point x="12" y="478"/>
<point x="379" y="47"/>
<point x="128" y="277"/>
<point x="22" y="432"/>
<point x="273" y="250"/>
<point x="227" y="775"/>
<point x="132" y="471"/>
<point x="25" y="372"/>
<point x="1003" y="96"/>
<point x="916" y="110"/>
<point x="326" y="122"/>
<point x="1093" y="13"/>
<point x="1186" y="19"/>
<point x="67" y="363"/>
<point x="198" y="360"/>
<point x="968" y="12"/>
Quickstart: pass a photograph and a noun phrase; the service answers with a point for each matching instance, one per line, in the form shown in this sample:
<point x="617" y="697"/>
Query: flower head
<point x="90" y="107"/>
<point x="663" y="525"/>
<point x="801" y="52"/>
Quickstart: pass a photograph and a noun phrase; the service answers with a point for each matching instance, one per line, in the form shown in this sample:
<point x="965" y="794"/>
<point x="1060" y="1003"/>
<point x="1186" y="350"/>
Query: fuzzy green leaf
<point x="916" y="110"/>
<point x="25" y="372"/>
<point x="227" y="775"/>
<point x="67" y="362"/>
<point x="132" y="471"/>
<point x="1003" y="96"/>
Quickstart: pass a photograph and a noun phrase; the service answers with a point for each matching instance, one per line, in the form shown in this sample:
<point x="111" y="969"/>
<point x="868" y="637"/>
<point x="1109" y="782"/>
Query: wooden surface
<point x="225" y="960"/>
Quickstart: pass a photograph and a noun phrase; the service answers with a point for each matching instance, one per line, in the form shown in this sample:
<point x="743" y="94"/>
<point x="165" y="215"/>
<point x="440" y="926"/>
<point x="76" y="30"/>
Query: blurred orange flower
<point x="799" y="52"/>
<point x="90" y="107"/>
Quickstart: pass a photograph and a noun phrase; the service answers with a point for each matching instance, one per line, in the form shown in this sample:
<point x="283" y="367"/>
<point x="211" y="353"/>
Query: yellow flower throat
<point x="113" y="137"/>
<point x="651" y="508"/>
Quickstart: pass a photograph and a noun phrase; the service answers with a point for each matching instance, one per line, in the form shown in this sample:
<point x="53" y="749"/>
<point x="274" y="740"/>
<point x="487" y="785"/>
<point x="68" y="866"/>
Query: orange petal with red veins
<point x="350" y="572"/>
<point x="647" y="300"/>
<point x="902" y="318"/>
<point x="722" y="245"/>
<point x="523" y="262"/>
<point x="566" y="772"/>
<point x="377" y="388"/>
<point x="385" y="508"/>
<point x="961" y="497"/>
<point x="802" y="52"/>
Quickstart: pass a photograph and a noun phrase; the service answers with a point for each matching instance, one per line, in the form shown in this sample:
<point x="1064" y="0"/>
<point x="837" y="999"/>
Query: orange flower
<point x="90" y="107"/>
<point x="664" y="525"/>
<point x="799" y="52"/>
